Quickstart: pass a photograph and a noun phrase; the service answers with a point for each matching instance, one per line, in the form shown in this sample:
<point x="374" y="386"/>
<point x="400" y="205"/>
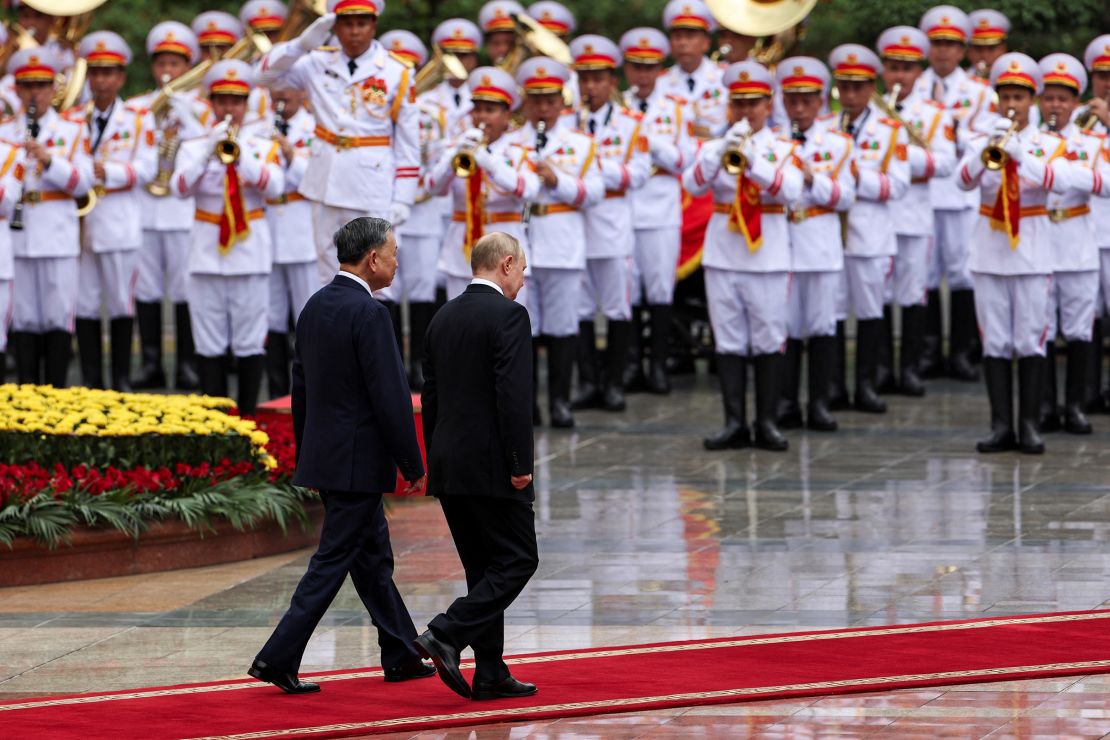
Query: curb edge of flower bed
<point x="170" y="545"/>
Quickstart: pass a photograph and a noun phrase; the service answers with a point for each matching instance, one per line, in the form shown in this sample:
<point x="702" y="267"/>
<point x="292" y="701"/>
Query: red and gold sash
<point x="475" y="212"/>
<point x="745" y="215"/>
<point x="234" y="222"/>
<point x="1006" y="212"/>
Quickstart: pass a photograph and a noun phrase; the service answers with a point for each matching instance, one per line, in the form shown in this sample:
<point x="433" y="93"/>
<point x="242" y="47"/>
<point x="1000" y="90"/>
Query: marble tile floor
<point x="645" y="537"/>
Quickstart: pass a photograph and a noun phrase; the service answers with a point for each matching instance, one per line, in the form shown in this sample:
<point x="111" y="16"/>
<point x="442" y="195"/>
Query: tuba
<point x="994" y="155"/>
<point x="73" y="19"/>
<point x="534" y="40"/>
<point x="301" y="15"/>
<point x="441" y="65"/>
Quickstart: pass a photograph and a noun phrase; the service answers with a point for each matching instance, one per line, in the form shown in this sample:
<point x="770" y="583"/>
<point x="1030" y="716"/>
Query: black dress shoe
<point x="287" y="682"/>
<point x="561" y="417"/>
<point x="411" y="670"/>
<point x="446" y="659"/>
<point x="613" y="399"/>
<point x="510" y="688"/>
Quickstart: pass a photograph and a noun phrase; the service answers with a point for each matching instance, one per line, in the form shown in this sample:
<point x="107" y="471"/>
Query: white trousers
<point x="654" y="266"/>
<point x="45" y="294"/>
<point x="163" y="266"/>
<point x="747" y="310"/>
<point x="554" y="294"/>
<point x="109" y="277"/>
<point x="456" y="285"/>
<point x="951" y="255"/>
<point x="5" y="312"/>
<point x="416" y="271"/>
<point x="1012" y="311"/>
<point x="606" y="286"/>
<point x="326" y="220"/>
<point x="863" y="287"/>
<point x="1071" y="305"/>
<point x="229" y="311"/>
<point x="811" y="306"/>
<point x="911" y="272"/>
<point x="291" y="285"/>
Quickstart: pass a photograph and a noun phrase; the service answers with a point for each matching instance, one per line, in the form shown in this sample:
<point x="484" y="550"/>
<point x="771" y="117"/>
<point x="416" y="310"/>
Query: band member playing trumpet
<point x="816" y="243"/>
<point x="989" y="31"/>
<point x="122" y="144"/>
<point x="624" y="157"/>
<point x="55" y="169"/>
<point x="231" y="173"/>
<point x="1073" y="296"/>
<point x="753" y="174"/>
<point x="1014" y="169"/>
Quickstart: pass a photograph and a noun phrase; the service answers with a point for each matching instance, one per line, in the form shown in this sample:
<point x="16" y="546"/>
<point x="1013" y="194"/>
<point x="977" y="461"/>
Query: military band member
<point x="882" y="177"/>
<point x="932" y="153"/>
<point x="949" y="30"/>
<point x="816" y="244"/>
<point x="10" y="156"/>
<point x="1073" y="297"/>
<point x="571" y="181"/>
<point x="553" y="16"/>
<point x="293" y="278"/>
<point x="366" y="155"/>
<point x="121" y="141"/>
<point x="167" y="221"/>
<point x="694" y="77"/>
<point x="624" y="158"/>
<point x="230" y="258"/>
<point x="496" y="20"/>
<point x="1011" y="258"/>
<point x="216" y="32"/>
<point x="747" y="254"/>
<point x="266" y="17"/>
<point x="55" y="170"/>
<point x="462" y="38"/>
<point x="657" y="206"/>
<point x="1096" y="57"/>
<point x="989" y="32"/>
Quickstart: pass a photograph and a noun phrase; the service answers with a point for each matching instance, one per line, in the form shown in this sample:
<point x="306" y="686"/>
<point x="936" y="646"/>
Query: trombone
<point x="994" y="155"/>
<point x="244" y="50"/>
<point x="888" y="106"/>
<point x="733" y="160"/>
<point x="463" y="162"/>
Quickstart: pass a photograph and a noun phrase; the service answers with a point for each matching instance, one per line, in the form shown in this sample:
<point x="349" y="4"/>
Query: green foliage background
<point x="1040" y="26"/>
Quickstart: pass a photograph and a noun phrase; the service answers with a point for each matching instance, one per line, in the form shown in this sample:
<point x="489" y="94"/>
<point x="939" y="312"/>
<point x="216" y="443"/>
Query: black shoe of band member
<point x="90" y="352"/>
<point x="838" y="388"/>
<point x="868" y="336"/>
<point x="910" y="351"/>
<point x="999" y="375"/>
<point x="768" y="369"/>
<point x="1030" y="391"/>
<point x="560" y="367"/>
<point x="588" y="395"/>
<point x="962" y="341"/>
<point x="732" y="372"/>
<point x="151" y="373"/>
<point x="618" y="336"/>
<point x="788" y="412"/>
<point x="822" y="354"/>
<point x="931" y="364"/>
<point x="885" y="381"/>
<point x="1075" y="388"/>
<point x="121" y="332"/>
<point x="658" y="381"/>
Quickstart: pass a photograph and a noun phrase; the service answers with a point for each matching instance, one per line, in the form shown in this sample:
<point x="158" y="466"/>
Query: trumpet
<point x="1086" y="119"/>
<point x="994" y="155"/>
<point x="281" y="123"/>
<point x="227" y="150"/>
<point x="463" y="162"/>
<point x="733" y="160"/>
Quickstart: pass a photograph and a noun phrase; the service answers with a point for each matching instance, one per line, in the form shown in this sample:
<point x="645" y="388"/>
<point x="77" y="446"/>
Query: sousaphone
<point x="74" y="20"/>
<point x="773" y="22"/>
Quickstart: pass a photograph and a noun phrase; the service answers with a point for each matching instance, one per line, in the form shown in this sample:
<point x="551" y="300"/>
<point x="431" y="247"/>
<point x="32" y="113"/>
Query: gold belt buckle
<point x="798" y="216"/>
<point x="1056" y="215"/>
<point x="34" y="196"/>
<point x="99" y="190"/>
<point x="281" y="199"/>
<point x="343" y="142"/>
<point x="539" y="210"/>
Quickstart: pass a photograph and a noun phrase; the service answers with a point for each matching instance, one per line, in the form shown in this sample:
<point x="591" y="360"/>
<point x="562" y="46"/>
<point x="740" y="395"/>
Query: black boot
<point x="1092" y="397"/>
<point x="560" y="366"/>
<point x="537" y="417"/>
<point x="1030" y="381"/>
<point x="213" y="375"/>
<point x="1075" y="421"/>
<point x="277" y="363"/>
<point x="768" y="372"/>
<point x="999" y="375"/>
<point x="185" y="378"/>
<point x="788" y="412"/>
<point x="868" y="337"/>
<point x="822" y="354"/>
<point x="90" y="352"/>
<point x="585" y="358"/>
<point x="932" y="358"/>
<point x="618" y="335"/>
<point x="838" y="388"/>
<point x="420" y="315"/>
<point x="151" y="374"/>
<point x="59" y="350"/>
<point x="732" y="370"/>
<point x="121" y="332"/>
<point x="913" y="325"/>
<point x="1048" y="413"/>
<point x="28" y="357"/>
<point x="657" y="380"/>
<point x="634" y="379"/>
<point x="884" y="361"/>
<point x="251" y="369"/>
<point x="960" y="365"/>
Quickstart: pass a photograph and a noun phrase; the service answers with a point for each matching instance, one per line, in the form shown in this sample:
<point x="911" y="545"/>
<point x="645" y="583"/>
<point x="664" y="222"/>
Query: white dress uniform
<point x="10" y="156"/>
<point x="366" y="154"/>
<point x="702" y="89"/>
<point x="1096" y="58"/>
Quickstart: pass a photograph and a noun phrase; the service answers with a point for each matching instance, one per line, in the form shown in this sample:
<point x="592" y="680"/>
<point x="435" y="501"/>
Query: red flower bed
<point x="281" y="447"/>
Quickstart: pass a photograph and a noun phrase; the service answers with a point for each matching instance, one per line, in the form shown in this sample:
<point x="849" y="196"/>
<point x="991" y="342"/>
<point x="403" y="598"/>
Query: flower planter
<point x="103" y="553"/>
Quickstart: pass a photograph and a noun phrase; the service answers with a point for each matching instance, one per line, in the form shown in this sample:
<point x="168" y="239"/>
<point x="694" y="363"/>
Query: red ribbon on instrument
<point x="475" y="212"/>
<point x="745" y="215"/>
<point x="234" y="224"/>
<point x="1006" y="212"/>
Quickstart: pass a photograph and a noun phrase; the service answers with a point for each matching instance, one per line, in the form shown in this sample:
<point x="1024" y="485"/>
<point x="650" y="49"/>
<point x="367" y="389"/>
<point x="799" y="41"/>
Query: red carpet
<point x="600" y="681"/>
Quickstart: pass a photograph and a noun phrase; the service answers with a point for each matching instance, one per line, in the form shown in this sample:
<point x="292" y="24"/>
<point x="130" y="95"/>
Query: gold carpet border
<point x="631" y="703"/>
<point x="616" y="652"/>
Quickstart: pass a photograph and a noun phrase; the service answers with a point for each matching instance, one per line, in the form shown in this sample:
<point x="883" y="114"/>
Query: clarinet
<point x="281" y="123"/>
<point x="541" y="142"/>
<point x="32" y="134"/>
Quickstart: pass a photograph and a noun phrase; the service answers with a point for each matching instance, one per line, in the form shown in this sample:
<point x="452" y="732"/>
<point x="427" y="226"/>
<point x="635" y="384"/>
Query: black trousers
<point x="355" y="540"/>
<point x="496" y="540"/>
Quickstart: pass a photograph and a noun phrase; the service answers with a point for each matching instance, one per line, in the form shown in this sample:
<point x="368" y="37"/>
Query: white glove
<point x="181" y="109"/>
<point x="219" y="132"/>
<point x="738" y="131"/>
<point x="398" y="214"/>
<point x="472" y="139"/>
<point x="484" y="158"/>
<point x="1015" y="149"/>
<point x="316" y="34"/>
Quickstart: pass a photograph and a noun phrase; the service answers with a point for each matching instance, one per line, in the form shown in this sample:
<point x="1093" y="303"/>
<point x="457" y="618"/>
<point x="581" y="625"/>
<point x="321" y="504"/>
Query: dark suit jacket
<point x="477" y="399"/>
<point x="352" y="411"/>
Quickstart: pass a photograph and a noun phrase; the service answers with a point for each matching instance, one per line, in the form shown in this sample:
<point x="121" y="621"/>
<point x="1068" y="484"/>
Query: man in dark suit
<point x="477" y="412"/>
<point x="353" y="425"/>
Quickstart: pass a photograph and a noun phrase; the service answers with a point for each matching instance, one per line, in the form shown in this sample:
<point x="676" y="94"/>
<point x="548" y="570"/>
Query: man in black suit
<point x="477" y="412"/>
<point x="353" y="426"/>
